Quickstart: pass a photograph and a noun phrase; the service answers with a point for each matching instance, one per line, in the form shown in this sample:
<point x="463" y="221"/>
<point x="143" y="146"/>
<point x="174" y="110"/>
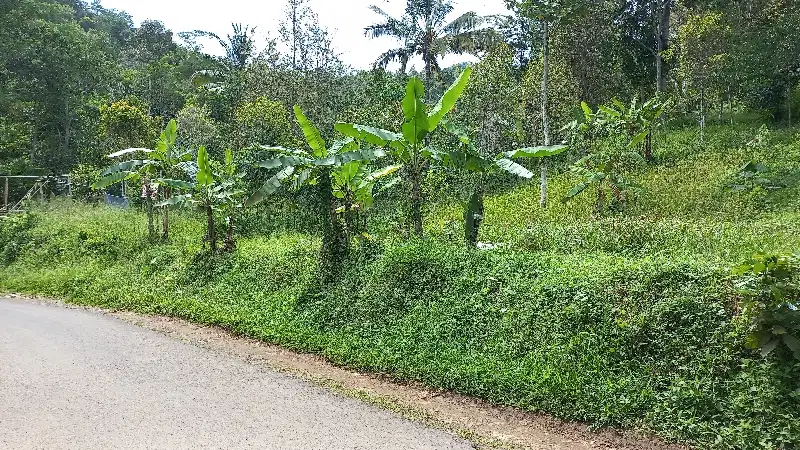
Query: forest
<point x="598" y="218"/>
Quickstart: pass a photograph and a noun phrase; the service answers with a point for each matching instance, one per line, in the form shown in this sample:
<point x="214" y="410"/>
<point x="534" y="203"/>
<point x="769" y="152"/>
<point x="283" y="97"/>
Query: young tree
<point x="163" y="166"/>
<point x="315" y="165"/>
<point x="549" y="14"/>
<point x="410" y="146"/>
<point x="214" y="189"/>
<point x="702" y="55"/>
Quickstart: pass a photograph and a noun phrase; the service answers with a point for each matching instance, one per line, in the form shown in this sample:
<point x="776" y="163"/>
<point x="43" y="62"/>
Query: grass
<point x="630" y="320"/>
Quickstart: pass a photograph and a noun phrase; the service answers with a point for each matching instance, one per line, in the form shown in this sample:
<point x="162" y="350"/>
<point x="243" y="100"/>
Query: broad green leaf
<point x="228" y="157"/>
<point x="204" y="175"/>
<point x="459" y="159"/>
<point x="415" y="90"/>
<point x="170" y="137"/>
<point x="114" y="178"/>
<point x="587" y="111"/>
<point x="793" y="343"/>
<point x="175" y="184"/>
<point x="537" y="152"/>
<point x="609" y="112"/>
<point x="270" y="187"/>
<point x="343" y="145"/>
<point x="176" y="200"/>
<point x="386" y="171"/>
<point x="370" y="135"/>
<point x="301" y="179"/>
<point x="769" y="347"/>
<point x="415" y="126"/>
<point x="128" y="151"/>
<point x="366" y="154"/>
<point x="638" y="139"/>
<point x="574" y="192"/>
<point x="125" y="166"/>
<point x="347" y="173"/>
<point x="283" y="161"/>
<point x="513" y="168"/>
<point x="449" y="99"/>
<point x="313" y="137"/>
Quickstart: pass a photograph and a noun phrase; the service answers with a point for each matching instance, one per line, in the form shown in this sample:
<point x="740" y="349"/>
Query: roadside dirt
<point x="487" y="425"/>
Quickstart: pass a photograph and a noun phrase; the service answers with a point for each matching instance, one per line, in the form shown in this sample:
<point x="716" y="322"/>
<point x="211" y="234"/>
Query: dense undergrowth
<point x="630" y="320"/>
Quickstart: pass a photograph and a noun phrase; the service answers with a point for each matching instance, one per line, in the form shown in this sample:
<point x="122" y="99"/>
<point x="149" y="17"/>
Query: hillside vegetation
<point x="626" y="320"/>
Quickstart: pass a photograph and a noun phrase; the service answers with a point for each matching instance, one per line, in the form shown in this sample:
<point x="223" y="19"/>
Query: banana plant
<point x="636" y="121"/>
<point x="410" y="146"/>
<point x="160" y="170"/>
<point x="215" y="189"/>
<point x="354" y="184"/>
<point x="316" y="165"/>
<point x="604" y="172"/>
<point x="465" y="156"/>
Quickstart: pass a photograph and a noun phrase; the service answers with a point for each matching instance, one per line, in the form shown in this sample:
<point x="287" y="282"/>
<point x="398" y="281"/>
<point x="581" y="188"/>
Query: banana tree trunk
<point x="211" y="233"/>
<point x="601" y="200"/>
<point x="334" y="244"/>
<point x="545" y="116"/>
<point x="473" y="217"/>
<point x="648" y="147"/>
<point x="416" y="201"/>
<point x="165" y="223"/>
<point x="151" y="227"/>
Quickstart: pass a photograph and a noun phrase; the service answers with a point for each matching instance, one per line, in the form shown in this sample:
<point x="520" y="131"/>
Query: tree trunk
<point x="334" y="245"/>
<point x="416" y="200"/>
<point x="212" y="230"/>
<point x="151" y="227"/>
<point x="473" y="216"/>
<point x="600" y="205"/>
<point x="545" y="116"/>
<point x="663" y="43"/>
<point x="165" y="224"/>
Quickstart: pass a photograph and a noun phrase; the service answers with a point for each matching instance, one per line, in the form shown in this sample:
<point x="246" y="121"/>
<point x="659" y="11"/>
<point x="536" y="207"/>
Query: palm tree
<point x="424" y="31"/>
<point x="239" y="47"/>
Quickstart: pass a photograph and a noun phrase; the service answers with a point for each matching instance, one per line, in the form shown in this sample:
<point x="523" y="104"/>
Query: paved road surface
<point x="74" y="379"/>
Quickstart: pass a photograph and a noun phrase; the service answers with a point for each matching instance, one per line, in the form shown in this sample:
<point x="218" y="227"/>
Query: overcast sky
<point x="345" y="19"/>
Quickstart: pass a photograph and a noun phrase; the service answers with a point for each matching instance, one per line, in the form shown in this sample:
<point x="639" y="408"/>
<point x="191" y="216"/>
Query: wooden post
<point x="5" y="196"/>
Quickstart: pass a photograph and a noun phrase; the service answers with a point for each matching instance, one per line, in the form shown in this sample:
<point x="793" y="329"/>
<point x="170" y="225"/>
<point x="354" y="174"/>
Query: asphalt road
<point x="76" y="379"/>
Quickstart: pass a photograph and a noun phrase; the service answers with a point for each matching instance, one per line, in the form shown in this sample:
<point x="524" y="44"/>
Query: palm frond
<point x="466" y="22"/>
<point x="400" y="55"/>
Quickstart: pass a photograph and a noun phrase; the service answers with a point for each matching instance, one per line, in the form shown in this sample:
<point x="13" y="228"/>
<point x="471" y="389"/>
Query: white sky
<point x="345" y="19"/>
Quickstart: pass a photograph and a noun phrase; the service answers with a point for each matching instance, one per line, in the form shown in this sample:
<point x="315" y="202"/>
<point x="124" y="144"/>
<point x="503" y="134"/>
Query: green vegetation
<point x="624" y="320"/>
<point x="661" y="293"/>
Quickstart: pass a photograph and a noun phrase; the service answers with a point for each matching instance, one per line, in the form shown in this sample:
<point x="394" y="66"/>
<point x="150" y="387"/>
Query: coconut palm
<point x="424" y="31"/>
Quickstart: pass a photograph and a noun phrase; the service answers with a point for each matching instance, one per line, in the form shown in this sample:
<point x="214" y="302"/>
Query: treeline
<point x="80" y="81"/>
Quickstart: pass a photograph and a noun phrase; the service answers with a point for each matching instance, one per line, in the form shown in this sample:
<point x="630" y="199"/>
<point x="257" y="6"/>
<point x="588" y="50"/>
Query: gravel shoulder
<point x="87" y="378"/>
